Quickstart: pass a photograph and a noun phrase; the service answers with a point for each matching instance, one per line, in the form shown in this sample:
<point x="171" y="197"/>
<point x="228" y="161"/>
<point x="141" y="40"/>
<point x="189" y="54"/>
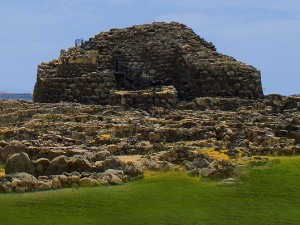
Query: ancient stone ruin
<point x="154" y="63"/>
<point x="225" y="128"/>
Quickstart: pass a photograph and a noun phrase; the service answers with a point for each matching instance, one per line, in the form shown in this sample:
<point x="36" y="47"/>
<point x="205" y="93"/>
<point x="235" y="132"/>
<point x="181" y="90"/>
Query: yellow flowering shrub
<point x="217" y="155"/>
<point x="2" y="171"/>
<point x="105" y="136"/>
<point x="5" y="130"/>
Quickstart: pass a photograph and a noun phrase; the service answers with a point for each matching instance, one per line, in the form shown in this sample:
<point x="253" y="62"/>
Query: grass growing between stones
<point x="266" y="196"/>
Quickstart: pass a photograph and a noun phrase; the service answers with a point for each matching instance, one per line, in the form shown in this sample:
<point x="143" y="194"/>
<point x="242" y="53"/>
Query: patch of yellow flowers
<point x="5" y="130"/>
<point x="105" y="136"/>
<point x="217" y="155"/>
<point x="2" y="171"/>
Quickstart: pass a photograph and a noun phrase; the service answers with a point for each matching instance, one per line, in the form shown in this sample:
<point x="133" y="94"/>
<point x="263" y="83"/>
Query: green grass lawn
<point x="266" y="196"/>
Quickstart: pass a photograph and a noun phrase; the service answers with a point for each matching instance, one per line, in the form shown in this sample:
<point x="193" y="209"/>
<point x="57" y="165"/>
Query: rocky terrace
<point x="49" y="146"/>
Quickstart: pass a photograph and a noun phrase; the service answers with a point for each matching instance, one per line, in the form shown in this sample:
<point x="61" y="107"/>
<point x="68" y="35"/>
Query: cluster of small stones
<point x="158" y="54"/>
<point x="69" y="144"/>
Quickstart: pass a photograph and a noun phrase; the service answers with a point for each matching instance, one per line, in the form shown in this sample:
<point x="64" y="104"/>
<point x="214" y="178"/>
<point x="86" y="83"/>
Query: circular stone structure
<point x="142" y="57"/>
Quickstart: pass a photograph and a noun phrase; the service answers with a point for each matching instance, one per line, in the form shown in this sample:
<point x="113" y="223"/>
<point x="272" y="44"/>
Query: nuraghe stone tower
<point x="152" y="63"/>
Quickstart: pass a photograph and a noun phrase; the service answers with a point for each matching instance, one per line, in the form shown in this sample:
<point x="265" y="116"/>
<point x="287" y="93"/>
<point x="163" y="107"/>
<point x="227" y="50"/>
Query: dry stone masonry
<point x="50" y="146"/>
<point x="158" y="55"/>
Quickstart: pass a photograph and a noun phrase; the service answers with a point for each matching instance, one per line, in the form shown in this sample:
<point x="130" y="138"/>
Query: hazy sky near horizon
<point x="265" y="34"/>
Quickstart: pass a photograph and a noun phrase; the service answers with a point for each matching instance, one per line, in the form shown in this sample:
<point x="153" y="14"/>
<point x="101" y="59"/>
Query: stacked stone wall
<point x="91" y="88"/>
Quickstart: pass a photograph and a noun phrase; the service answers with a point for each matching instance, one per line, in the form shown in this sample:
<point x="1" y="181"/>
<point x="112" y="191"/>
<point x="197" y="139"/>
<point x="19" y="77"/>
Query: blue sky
<point x="265" y="34"/>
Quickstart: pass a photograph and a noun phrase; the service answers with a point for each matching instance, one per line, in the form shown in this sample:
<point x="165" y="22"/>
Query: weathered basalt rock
<point x="41" y="165"/>
<point x="113" y="163"/>
<point x="13" y="148"/>
<point x="58" y="166"/>
<point x="19" y="163"/>
<point x="80" y="164"/>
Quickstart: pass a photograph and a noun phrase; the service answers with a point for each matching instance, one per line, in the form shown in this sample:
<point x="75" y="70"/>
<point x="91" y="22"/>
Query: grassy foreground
<point x="266" y="196"/>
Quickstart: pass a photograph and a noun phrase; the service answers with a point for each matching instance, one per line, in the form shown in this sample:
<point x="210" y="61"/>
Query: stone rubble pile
<point x="69" y="144"/>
